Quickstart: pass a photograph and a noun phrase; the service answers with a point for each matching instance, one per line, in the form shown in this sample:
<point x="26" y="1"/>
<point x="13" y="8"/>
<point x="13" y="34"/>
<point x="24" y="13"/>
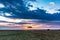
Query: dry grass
<point x="30" y="35"/>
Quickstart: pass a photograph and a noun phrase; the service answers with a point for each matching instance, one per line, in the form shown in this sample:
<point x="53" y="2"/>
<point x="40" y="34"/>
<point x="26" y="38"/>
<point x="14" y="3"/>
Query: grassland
<point x="30" y="35"/>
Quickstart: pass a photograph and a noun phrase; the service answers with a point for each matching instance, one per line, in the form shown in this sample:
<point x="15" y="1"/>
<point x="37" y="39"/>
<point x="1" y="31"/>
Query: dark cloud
<point x="58" y="9"/>
<point x="23" y="12"/>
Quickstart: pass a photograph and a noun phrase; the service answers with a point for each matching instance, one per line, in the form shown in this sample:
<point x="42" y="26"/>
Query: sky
<point x="13" y="8"/>
<point x="20" y="14"/>
<point x="51" y="6"/>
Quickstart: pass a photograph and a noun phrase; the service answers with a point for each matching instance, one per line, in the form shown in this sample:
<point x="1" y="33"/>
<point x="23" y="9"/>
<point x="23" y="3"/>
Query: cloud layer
<point x="18" y="9"/>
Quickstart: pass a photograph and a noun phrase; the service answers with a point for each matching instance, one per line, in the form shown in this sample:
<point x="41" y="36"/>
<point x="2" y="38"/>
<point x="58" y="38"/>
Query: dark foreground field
<point x="30" y="35"/>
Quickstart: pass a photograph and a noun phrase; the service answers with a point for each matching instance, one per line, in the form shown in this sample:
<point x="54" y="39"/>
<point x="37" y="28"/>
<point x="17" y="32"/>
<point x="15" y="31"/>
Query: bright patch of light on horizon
<point x="3" y="18"/>
<point x="2" y="6"/>
<point x="14" y="20"/>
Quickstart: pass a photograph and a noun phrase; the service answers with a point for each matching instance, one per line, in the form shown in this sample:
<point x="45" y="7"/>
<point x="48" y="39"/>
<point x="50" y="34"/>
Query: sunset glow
<point x="29" y="14"/>
<point x="35" y="26"/>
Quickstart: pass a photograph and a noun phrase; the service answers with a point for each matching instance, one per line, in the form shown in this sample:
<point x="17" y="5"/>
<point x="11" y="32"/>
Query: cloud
<point x="52" y="3"/>
<point x="24" y="13"/>
<point x="58" y="10"/>
<point x="52" y="11"/>
<point x="31" y="5"/>
<point x="1" y="5"/>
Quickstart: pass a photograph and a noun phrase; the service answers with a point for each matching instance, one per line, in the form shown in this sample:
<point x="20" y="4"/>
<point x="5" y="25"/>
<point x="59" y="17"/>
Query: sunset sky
<point x="20" y="14"/>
